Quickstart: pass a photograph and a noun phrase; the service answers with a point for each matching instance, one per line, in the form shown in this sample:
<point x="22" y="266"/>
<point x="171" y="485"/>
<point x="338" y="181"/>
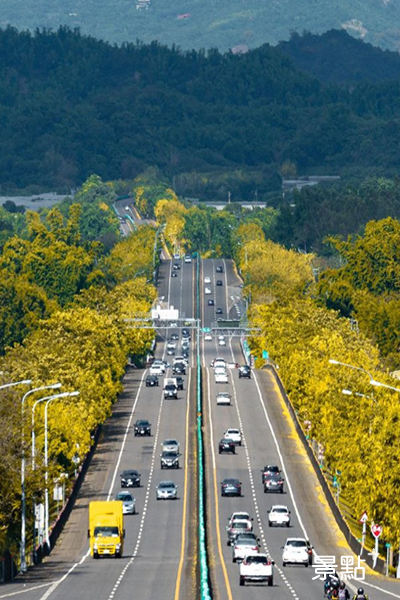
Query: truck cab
<point x="106" y="529"/>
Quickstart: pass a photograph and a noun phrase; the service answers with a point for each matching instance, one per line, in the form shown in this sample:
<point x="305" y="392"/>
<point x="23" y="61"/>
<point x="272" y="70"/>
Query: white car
<point x="177" y="256"/>
<point x="188" y="258"/>
<point x="257" y="567"/>
<point x="207" y="280"/>
<point x="279" y="515"/>
<point x="297" y="551"/>
<point x="234" y="435"/>
<point x="224" y="399"/>
<point x="220" y="375"/>
<point x="181" y="359"/>
<point x="208" y="337"/>
<point x="159" y="363"/>
<point x="222" y="342"/>
<point x="170" y="446"/>
<point x="157" y="370"/>
<point x="243" y="548"/>
<point x="239" y="514"/>
<point x="221" y="337"/>
<point x="207" y="290"/>
<point x="218" y="362"/>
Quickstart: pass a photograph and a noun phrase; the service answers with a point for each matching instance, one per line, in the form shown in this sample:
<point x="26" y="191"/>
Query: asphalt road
<point x="268" y="438"/>
<point x="160" y="545"/>
<point x="160" y="555"/>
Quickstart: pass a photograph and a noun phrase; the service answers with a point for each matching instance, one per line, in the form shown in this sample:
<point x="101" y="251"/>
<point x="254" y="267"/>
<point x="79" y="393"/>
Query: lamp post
<point x="332" y="361"/>
<point x="384" y="385"/>
<point x="8" y="385"/>
<point x="46" y="491"/>
<point x="23" y="496"/>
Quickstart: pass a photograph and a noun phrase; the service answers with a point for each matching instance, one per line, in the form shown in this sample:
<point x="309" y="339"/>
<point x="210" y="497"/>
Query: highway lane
<point x="159" y="544"/>
<point x="269" y="439"/>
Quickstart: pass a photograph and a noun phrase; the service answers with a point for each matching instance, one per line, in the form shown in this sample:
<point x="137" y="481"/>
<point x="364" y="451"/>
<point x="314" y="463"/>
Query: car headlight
<point x="117" y="547"/>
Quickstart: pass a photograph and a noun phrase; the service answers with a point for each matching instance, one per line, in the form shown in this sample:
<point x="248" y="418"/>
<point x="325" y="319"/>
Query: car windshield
<point x="244" y="542"/>
<point x="166" y="484"/>
<point x="259" y="560"/>
<point x="106" y="532"/>
<point x="296" y="543"/>
<point x="142" y="423"/>
<point x="240" y="525"/>
<point x="280" y="510"/>
<point x="124" y="497"/>
<point x="169" y="455"/>
<point x="232" y="431"/>
<point x="129" y="474"/>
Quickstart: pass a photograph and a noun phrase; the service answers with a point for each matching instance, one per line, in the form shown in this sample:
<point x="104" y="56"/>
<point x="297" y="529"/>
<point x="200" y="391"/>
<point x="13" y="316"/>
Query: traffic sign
<point x="364" y="517"/>
<point x="265" y="355"/>
<point x="206" y="329"/>
<point x="376" y="530"/>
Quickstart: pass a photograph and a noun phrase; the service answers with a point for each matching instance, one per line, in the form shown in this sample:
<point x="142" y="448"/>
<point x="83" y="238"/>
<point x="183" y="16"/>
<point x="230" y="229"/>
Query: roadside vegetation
<point x="68" y="286"/>
<point x="302" y="329"/>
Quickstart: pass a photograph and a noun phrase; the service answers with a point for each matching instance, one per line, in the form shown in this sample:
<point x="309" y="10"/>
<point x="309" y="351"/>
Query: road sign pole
<point x="364" y="535"/>
<point x="376" y="552"/>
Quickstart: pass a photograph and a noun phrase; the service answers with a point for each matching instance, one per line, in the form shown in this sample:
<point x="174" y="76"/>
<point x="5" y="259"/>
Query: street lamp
<point x="8" y="385"/>
<point x="332" y="361"/>
<point x="46" y="491"/>
<point x="384" y="385"/>
<point x="23" y="496"/>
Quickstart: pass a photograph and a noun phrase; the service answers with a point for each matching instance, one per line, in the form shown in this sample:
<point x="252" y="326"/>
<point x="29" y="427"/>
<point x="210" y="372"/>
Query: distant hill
<point x="337" y="57"/>
<point x="71" y="105"/>
<point x="208" y="23"/>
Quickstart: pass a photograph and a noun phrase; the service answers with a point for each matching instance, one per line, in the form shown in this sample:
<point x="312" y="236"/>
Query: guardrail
<point x="205" y="593"/>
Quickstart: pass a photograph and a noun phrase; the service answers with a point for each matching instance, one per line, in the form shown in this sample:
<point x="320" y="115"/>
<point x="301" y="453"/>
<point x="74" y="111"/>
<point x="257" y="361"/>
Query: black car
<point x="210" y="302"/>
<point x="269" y="470"/>
<point x="174" y="337"/>
<point x="219" y="311"/>
<point x="179" y="369"/>
<point x="142" y="427"/>
<point x="176" y="266"/>
<point x="170" y="391"/>
<point x="185" y="353"/>
<point x="231" y="487"/>
<point x="245" y="371"/>
<point x="169" y="460"/>
<point x="273" y="483"/>
<point x="219" y="282"/>
<point x="185" y="334"/>
<point x="174" y="274"/>
<point x="151" y="380"/>
<point x="179" y="382"/>
<point x="130" y="479"/>
<point x="219" y="269"/>
<point x="227" y="445"/>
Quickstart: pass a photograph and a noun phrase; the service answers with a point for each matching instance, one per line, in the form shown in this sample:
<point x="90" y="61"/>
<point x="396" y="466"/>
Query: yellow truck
<point x="106" y="529"/>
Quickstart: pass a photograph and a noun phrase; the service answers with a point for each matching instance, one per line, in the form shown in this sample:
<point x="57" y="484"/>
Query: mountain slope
<point x="336" y="57"/>
<point x="208" y="23"/>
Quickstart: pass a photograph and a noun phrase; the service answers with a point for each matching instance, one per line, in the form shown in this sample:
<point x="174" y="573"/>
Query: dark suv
<point x="130" y="479"/>
<point x="227" y="445"/>
<point x="244" y="371"/>
<point x="179" y="369"/>
<point x="269" y="470"/>
<point x="142" y="427"/>
<point x="273" y="483"/>
<point x="151" y="380"/>
<point x="169" y="460"/>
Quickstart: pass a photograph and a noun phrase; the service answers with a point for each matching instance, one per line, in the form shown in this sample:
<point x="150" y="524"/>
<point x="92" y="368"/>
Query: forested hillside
<point x="71" y="106"/>
<point x="338" y="57"/>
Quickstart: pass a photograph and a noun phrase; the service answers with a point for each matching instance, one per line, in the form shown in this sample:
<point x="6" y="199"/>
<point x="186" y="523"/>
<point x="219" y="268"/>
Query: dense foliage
<point x="367" y="286"/>
<point x="71" y="105"/>
<point x="337" y="57"/>
<point x="360" y="433"/>
<point x="66" y="303"/>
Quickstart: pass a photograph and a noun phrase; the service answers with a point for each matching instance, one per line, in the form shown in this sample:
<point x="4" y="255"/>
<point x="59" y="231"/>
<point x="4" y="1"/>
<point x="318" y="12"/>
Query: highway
<point x="160" y="554"/>
<point x="268" y="438"/>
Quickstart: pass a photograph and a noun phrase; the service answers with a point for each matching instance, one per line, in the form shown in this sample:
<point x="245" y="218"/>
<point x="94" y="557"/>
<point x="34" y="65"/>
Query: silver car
<point x="170" y="445"/>
<point x="128" y="503"/>
<point x="167" y="490"/>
